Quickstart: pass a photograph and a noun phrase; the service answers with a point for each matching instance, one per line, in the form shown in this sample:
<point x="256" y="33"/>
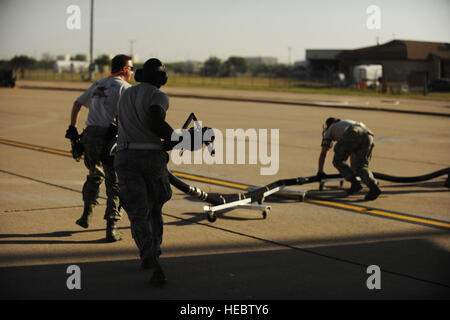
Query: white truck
<point x="368" y="73"/>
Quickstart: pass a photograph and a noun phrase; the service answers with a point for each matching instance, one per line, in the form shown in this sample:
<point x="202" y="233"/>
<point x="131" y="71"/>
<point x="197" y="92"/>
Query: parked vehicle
<point x="367" y="75"/>
<point x="439" y="85"/>
<point x="7" y="78"/>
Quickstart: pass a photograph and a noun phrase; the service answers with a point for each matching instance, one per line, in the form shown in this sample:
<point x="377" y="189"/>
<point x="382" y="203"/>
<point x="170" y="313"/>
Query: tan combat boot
<point x="112" y="232"/>
<point x="86" y="217"/>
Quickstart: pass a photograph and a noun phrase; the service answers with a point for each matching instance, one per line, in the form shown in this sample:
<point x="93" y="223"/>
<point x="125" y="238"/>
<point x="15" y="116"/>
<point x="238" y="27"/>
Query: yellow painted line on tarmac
<point x="66" y="153"/>
<point x="338" y="205"/>
<point x="245" y="187"/>
<point x="413" y="219"/>
<point x="382" y="213"/>
<point x="330" y="203"/>
<point x="203" y="179"/>
<point x="33" y="147"/>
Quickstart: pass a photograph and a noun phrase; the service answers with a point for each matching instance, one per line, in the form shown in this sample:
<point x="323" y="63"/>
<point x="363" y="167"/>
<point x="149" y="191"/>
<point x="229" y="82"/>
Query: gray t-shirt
<point x="336" y="131"/>
<point x="134" y="113"/>
<point x="101" y="99"/>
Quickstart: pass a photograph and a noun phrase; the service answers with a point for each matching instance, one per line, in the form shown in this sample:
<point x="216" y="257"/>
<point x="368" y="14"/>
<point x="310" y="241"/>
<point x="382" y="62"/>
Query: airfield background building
<point x="413" y="63"/>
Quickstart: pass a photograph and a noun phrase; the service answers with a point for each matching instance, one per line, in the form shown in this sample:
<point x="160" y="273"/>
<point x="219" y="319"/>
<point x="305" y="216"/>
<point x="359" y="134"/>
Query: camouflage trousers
<point x="358" y="141"/>
<point x="101" y="168"/>
<point x="144" y="188"/>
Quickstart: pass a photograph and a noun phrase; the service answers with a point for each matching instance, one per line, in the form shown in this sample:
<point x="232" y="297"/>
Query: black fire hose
<point x="424" y="177"/>
<point x="255" y="195"/>
<point x="258" y="194"/>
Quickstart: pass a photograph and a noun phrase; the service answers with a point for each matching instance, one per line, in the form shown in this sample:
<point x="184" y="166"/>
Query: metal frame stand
<point x="323" y="181"/>
<point x="247" y="202"/>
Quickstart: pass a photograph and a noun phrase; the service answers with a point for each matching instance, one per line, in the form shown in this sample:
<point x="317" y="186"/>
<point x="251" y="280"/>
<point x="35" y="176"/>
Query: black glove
<point x="77" y="150"/>
<point x="112" y="131"/>
<point x="72" y="133"/>
<point x="196" y="131"/>
<point x="206" y="142"/>
<point x="168" y="145"/>
<point x="321" y="175"/>
<point x="193" y="131"/>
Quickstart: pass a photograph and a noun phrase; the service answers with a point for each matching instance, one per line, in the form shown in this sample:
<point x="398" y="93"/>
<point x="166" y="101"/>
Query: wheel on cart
<point x="212" y="217"/>
<point x="265" y="213"/>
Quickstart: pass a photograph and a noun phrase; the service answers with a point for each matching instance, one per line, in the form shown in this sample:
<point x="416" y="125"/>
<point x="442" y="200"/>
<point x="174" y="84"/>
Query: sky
<point x="180" y="30"/>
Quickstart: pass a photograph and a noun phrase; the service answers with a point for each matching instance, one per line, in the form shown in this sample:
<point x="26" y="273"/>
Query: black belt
<point x="139" y="146"/>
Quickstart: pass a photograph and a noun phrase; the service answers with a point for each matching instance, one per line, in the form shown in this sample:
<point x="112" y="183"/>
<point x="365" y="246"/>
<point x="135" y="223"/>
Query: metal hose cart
<point x="218" y="202"/>
<point x="255" y="196"/>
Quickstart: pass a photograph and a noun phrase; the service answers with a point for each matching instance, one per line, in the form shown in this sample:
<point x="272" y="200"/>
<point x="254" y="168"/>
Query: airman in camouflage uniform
<point x="355" y="139"/>
<point x="101" y="99"/>
<point x="141" y="162"/>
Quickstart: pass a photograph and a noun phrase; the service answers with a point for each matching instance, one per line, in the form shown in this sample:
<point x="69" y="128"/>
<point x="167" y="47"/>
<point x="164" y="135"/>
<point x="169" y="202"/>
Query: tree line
<point x="212" y="67"/>
<point x="26" y="62"/>
<point x="232" y="67"/>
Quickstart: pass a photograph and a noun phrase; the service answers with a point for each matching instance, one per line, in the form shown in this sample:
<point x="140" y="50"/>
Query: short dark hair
<point x="119" y="62"/>
<point x="330" y="121"/>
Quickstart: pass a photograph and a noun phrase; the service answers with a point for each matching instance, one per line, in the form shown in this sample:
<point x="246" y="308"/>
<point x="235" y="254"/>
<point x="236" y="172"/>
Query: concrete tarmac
<point x="302" y="250"/>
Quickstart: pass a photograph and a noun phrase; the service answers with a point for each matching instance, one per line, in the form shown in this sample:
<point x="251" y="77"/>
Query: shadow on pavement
<point x="410" y="269"/>
<point x="56" y="234"/>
